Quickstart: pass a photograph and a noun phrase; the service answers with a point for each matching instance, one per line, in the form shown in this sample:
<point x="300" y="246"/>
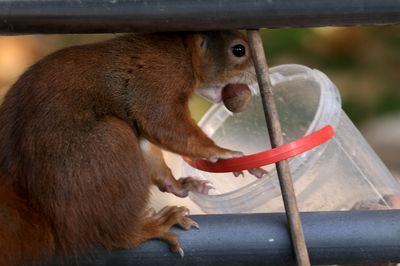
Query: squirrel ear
<point x="201" y="42"/>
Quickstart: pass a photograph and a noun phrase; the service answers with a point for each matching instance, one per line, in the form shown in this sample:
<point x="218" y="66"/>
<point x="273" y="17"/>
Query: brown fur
<point x="72" y="175"/>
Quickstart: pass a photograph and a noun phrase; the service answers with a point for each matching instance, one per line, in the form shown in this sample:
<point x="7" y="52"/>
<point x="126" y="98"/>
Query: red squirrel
<point x="80" y="138"/>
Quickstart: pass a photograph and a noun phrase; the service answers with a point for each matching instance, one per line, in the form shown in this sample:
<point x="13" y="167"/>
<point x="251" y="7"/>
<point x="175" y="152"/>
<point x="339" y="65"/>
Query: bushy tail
<point x="24" y="235"/>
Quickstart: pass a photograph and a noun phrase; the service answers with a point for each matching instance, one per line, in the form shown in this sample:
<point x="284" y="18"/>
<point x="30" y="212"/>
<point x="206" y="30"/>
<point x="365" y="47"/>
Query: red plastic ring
<point x="271" y="156"/>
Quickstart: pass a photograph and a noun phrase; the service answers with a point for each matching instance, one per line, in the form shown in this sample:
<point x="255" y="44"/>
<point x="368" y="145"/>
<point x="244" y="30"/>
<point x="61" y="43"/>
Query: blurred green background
<point x="363" y="62"/>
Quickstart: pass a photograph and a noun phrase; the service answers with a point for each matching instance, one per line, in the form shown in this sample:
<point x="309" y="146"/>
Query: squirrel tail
<point x="24" y="235"/>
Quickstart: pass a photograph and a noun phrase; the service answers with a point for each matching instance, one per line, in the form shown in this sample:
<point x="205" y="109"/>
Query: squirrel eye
<point x="239" y="50"/>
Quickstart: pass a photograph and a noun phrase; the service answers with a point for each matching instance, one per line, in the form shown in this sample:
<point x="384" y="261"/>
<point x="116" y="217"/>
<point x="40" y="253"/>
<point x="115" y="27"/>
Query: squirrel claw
<point x="238" y="173"/>
<point x="258" y="172"/>
<point x="180" y="251"/>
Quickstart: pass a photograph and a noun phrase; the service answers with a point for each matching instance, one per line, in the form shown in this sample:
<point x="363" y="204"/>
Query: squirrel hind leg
<point x="156" y="225"/>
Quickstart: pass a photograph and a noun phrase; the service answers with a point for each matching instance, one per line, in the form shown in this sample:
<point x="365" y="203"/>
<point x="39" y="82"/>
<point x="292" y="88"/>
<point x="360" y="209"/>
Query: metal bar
<point x="102" y="16"/>
<point x="361" y="237"/>
<point x="276" y="137"/>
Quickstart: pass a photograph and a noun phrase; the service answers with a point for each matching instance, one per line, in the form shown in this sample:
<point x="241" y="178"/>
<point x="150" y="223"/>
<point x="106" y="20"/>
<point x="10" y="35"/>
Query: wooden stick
<point x="275" y="133"/>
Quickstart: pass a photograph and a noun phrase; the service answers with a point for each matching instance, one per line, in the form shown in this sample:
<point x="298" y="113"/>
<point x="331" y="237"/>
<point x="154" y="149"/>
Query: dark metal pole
<point x="275" y="134"/>
<point x="361" y="237"/>
<point x="109" y="16"/>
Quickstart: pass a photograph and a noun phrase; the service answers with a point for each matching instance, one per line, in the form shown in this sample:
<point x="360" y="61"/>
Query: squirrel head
<point x="220" y="58"/>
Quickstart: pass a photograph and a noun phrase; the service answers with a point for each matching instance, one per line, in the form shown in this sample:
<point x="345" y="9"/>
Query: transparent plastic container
<point x="337" y="175"/>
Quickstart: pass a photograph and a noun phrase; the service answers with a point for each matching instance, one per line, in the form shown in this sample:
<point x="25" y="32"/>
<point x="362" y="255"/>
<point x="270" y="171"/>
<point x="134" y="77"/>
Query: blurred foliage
<point x="363" y="62"/>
